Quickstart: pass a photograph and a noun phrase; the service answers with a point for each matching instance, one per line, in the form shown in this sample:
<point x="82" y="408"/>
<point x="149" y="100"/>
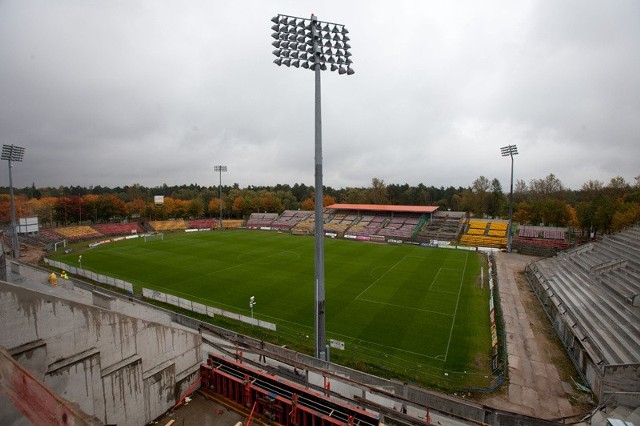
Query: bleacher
<point x="259" y="220"/>
<point x="592" y="293"/>
<point x="232" y="223"/>
<point x="443" y="226"/>
<point x="540" y="240"/>
<point x="340" y="222"/>
<point x="308" y="225"/>
<point x="168" y="225"/>
<point x="482" y="233"/>
<point x="47" y="235"/>
<point x="118" y="228"/>
<point x="400" y="226"/>
<point x="76" y="233"/>
<point x="202" y="224"/>
<point x="290" y="218"/>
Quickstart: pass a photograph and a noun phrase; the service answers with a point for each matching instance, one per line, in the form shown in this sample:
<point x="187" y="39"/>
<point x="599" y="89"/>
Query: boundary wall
<point x="199" y="308"/>
<point x="102" y="279"/>
<point x="121" y="369"/>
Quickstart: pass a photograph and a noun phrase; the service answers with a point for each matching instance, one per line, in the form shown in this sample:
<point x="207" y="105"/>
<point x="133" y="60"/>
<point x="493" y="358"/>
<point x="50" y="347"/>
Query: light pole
<point x="220" y="169"/>
<point x="13" y="153"/>
<point x="252" y="303"/>
<point x="510" y="151"/>
<point x="314" y="45"/>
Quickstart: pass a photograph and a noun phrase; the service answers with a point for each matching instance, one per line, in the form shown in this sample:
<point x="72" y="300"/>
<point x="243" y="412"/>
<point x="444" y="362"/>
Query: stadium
<point x="393" y="265"/>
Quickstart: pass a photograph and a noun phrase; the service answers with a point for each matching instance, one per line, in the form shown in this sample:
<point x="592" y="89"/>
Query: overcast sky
<point x="114" y="93"/>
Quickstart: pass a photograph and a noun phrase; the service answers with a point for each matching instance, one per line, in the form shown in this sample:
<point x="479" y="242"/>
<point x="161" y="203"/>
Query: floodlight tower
<point x="220" y="169"/>
<point x="312" y="44"/>
<point x="13" y="153"/>
<point x="510" y="151"/>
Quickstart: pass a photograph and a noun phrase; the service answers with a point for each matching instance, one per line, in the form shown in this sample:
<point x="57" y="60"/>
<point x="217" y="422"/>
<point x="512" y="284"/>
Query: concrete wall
<point x="121" y="369"/>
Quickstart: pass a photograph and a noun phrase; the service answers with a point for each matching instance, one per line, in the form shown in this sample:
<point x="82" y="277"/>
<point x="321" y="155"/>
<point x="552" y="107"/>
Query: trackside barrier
<point x="102" y="279"/>
<point x="203" y="309"/>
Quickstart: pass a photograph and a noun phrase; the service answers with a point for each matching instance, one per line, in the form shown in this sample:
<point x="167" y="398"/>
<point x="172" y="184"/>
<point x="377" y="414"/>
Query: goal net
<point x="154" y="237"/>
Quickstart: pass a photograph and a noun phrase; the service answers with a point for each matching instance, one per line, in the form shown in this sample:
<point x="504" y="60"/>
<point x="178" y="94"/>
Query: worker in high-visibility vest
<point x="53" y="279"/>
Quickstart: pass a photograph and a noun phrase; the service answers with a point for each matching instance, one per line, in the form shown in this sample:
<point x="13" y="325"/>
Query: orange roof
<point x="384" y="208"/>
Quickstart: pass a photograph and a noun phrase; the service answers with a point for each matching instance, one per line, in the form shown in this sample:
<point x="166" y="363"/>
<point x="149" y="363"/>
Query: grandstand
<point x="168" y="225"/>
<point x="202" y="224"/>
<point x="76" y="233"/>
<point x="290" y="218"/>
<point x="443" y="226"/>
<point x="485" y="233"/>
<point x="591" y="293"/>
<point x="541" y="240"/>
<point x="261" y="220"/>
<point x="118" y="228"/>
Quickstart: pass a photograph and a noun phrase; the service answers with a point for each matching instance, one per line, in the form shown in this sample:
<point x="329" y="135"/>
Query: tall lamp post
<point x="314" y="45"/>
<point x="13" y="153"/>
<point x="510" y="151"/>
<point x="220" y="169"/>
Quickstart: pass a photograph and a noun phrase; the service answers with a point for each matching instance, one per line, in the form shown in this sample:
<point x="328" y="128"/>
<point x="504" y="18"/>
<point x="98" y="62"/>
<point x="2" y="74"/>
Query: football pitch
<point x="404" y="311"/>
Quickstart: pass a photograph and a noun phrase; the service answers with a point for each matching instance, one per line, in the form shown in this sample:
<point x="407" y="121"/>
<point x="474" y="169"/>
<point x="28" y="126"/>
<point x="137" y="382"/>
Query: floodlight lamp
<point x="341" y="70"/>
<point x="275" y="20"/>
<point x="296" y="63"/>
<point x="12" y="153"/>
<point x="277" y="52"/>
<point x="334" y="67"/>
<point x="305" y="65"/>
<point x="277" y="61"/>
<point x="509" y="150"/>
<point x="350" y="71"/>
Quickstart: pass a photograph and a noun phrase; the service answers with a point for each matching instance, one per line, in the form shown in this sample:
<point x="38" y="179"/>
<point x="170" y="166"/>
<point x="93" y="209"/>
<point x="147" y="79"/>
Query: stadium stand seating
<point x="400" y="226"/>
<point x="340" y="222"/>
<point x="76" y="233"/>
<point x="443" y="226"/>
<point x="232" y="223"/>
<point x="47" y="235"/>
<point x="290" y="218"/>
<point x="118" y="228"/>
<point x="485" y="234"/>
<point x="259" y="220"/>
<point x="540" y="240"/>
<point x="591" y="292"/>
<point x="202" y="224"/>
<point x="168" y="225"/>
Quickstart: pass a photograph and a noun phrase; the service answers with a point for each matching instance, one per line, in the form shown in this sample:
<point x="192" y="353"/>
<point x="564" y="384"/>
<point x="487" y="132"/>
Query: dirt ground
<point x="540" y="381"/>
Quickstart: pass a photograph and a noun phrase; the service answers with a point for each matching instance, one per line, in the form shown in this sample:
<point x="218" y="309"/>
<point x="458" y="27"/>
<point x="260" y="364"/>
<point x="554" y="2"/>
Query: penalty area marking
<point x="455" y="312"/>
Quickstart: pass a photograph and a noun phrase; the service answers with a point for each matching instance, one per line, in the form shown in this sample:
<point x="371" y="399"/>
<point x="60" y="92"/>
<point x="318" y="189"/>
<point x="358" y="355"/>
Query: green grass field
<point x="403" y="311"/>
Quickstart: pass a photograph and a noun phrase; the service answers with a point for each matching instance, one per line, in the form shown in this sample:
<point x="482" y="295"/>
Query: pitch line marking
<point x="406" y="307"/>
<point x="455" y="312"/>
<point x="379" y="278"/>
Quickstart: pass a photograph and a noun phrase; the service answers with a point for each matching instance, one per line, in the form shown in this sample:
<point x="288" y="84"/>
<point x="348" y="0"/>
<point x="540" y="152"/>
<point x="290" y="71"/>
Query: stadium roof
<point x="384" y="208"/>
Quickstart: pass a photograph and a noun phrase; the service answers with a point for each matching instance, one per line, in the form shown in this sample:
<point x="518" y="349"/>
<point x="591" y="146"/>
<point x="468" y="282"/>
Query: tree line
<point x="595" y="207"/>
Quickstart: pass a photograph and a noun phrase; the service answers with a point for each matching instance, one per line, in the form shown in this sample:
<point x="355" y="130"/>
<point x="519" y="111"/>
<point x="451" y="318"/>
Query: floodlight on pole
<point x="315" y="45"/>
<point x="510" y="151"/>
<point x="220" y="169"/>
<point x="13" y="153"/>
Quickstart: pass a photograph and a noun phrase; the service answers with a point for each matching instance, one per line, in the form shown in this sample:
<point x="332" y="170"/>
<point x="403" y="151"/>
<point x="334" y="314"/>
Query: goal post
<point x="153" y="237"/>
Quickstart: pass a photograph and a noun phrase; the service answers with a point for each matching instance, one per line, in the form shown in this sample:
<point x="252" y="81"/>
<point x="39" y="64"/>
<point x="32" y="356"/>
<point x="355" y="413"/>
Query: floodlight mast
<point x="220" y="169"/>
<point x="312" y="44"/>
<point x="13" y="153"/>
<point x="510" y="151"/>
